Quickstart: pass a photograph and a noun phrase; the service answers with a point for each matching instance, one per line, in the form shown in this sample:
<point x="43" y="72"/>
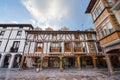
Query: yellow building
<point x="107" y="26"/>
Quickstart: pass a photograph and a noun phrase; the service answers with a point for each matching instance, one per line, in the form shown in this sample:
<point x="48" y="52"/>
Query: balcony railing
<point x="77" y="49"/>
<point x="55" y="49"/>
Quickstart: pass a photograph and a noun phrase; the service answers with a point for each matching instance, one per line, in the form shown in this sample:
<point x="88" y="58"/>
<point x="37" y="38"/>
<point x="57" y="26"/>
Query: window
<point x="77" y="47"/>
<point x="110" y="27"/>
<point x="105" y="29"/>
<point x="67" y="45"/>
<point x="2" y="33"/>
<point x="39" y="45"/>
<point x="76" y="36"/>
<point x="55" y="47"/>
<point x="89" y="36"/>
<point x="19" y="33"/>
<point x="4" y="27"/>
<point x="21" y="27"/>
<point x="15" y="46"/>
<point x="91" y="46"/>
<point x="97" y="10"/>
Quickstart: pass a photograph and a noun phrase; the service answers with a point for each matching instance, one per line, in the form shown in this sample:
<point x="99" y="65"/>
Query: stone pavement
<point x="54" y="74"/>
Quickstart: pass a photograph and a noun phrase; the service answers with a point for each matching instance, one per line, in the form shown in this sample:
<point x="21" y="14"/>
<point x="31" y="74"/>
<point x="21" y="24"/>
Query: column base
<point x="95" y="68"/>
<point x="79" y="68"/>
<point x="61" y="69"/>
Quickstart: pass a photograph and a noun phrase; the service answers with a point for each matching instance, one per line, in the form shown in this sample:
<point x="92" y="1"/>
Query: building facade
<point x="22" y="44"/>
<point x="63" y="49"/>
<point x="106" y="17"/>
<point x="12" y="41"/>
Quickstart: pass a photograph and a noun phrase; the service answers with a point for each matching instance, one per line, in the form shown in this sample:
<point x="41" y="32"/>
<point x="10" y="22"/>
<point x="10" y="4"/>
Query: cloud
<point x="47" y="12"/>
<point x="8" y="22"/>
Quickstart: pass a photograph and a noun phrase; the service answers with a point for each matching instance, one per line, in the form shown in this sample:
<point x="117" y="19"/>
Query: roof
<point x="90" y="6"/>
<point x="14" y="25"/>
<point x="59" y="32"/>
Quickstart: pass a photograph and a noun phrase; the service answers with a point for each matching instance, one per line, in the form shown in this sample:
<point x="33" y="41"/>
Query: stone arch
<point x="114" y="51"/>
<point x="101" y="62"/>
<point x="69" y="62"/>
<point x="17" y="60"/>
<point x="86" y="61"/>
<point x="6" y="61"/>
<point x="115" y="61"/>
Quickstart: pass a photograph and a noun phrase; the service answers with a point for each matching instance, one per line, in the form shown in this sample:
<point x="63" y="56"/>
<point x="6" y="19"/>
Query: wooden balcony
<point x="110" y="38"/>
<point x="55" y="50"/>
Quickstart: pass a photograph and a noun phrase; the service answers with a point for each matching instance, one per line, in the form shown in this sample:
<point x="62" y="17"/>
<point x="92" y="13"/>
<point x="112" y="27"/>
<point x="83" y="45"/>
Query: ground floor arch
<point x="86" y="61"/>
<point x="17" y="60"/>
<point x="6" y="61"/>
<point x="101" y="62"/>
<point x="115" y="61"/>
<point x="69" y="62"/>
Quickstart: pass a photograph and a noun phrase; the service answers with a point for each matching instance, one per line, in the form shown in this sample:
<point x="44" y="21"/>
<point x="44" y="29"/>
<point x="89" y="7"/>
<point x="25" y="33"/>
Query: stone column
<point x="78" y="63"/>
<point x="11" y="61"/>
<point x="2" y="60"/>
<point x="109" y="65"/>
<point x="61" y="65"/>
<point x="94" y="62"/>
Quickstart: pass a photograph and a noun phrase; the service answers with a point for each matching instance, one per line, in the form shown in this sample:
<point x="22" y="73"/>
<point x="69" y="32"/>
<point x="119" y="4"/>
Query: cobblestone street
<point x="54" y="74"/>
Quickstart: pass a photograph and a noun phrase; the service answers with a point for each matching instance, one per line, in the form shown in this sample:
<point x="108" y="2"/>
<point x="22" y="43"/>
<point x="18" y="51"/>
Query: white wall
<point x="3" y="44"/>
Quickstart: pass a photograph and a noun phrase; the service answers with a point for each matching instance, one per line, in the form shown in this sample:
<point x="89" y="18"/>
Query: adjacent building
<point x="12" y="41"/>
<point x="106" y="18"/>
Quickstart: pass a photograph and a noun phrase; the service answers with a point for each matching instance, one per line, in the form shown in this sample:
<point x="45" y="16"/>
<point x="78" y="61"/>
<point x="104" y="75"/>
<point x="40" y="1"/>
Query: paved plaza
<point x="54" y="74"/>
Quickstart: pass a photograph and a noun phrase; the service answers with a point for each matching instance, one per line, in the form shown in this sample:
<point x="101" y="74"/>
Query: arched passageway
<point x="6" y="61"/>
<point x="17" y="60"/>
<point x="69" y="62"/>
<point x="115" y="61"/>
<point x="101" y="62"/>
<point x="86" y="61"/>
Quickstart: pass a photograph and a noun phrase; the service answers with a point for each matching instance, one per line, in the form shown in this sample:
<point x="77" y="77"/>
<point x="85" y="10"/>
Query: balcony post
<point x="94" y="62"/>
<point x="78" y="63"/>
<point x="109" y="65"/>
<point x="61" y="64"/>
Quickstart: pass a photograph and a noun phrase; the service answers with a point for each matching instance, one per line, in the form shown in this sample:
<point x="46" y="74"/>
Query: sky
<point x="47" y="13"/>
